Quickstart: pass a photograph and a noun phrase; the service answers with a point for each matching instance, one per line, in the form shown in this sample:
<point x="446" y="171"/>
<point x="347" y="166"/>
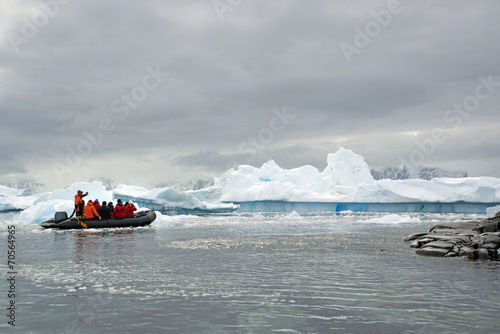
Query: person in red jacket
<point x="89" y="212"/>
<point x="97" y="205"/>
<point x="119" y="211"/>
<point x="129" y="209"/>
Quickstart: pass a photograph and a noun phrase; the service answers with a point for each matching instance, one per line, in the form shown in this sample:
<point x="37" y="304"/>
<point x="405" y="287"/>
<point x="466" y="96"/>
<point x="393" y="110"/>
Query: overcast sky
<point x="145" y="92"/>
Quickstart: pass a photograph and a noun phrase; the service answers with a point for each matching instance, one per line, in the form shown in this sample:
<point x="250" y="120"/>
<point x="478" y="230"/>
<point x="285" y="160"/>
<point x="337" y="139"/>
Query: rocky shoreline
<point x="475" y="240"/>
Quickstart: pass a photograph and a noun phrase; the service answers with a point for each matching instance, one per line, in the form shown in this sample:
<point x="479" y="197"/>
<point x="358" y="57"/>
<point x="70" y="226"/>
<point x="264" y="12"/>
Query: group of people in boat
<point x="94" y="210"/>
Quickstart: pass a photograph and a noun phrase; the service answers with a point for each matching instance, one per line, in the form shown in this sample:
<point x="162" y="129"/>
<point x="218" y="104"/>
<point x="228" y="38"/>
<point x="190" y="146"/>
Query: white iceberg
<point x="346" y="179"/>
<point x="95" y="189"/>
<point x="291" y="216"/>
<point x="167" y="198"/>
<point x="345" y="184"/>
<point x="13" y="200"/>
<point x="48" y="203"/>
<point x="10" y="192"/>
<point x="393" y="219"/>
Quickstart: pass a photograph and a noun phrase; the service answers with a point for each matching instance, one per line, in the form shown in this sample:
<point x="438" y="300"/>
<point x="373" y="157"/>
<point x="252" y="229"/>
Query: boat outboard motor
<point x="60" y="216"/>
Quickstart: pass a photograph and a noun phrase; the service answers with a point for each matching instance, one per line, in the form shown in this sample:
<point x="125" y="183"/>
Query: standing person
<point x="119" y="211"/>
<point x="103" y="211"/>
<point x="89" y="211"/>
<point x="129" y="209"/>
<point x="79" y="203"/>
<point x="111" y="209"/>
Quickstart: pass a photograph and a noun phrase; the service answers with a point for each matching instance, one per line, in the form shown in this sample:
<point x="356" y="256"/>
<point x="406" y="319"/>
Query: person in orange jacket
<point x="89" y="211"/>
<point x="79" y="203"/>
<point x="129" y="209"/>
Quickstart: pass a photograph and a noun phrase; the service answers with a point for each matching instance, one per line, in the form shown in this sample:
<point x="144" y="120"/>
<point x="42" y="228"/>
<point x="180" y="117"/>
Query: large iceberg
<point x="344" y="173"/>
<point x="346" y="179"/>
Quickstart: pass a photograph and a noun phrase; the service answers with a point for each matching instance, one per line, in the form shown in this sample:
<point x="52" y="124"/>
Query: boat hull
<point x="73" y="223"/>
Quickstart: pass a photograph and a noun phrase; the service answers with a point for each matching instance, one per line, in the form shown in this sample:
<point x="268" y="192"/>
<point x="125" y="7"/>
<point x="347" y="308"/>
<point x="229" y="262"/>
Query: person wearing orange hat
<point x="79" y="203"/>
<point x="89" y="212"/>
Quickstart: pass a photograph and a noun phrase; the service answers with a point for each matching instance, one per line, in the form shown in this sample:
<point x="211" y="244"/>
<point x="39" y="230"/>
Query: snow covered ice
<point x="46" y="204"/>
<point x="168" y="197"/>
<point x="345" y="184"/>
<point x="346" y="178"/>
<point x="12" y="199"/>
<point x="393" y="219"/>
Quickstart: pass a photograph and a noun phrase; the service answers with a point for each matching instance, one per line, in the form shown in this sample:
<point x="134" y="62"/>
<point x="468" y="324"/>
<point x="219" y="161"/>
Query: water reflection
<point x="227" y="275"/>
<point x="90" y="245"/>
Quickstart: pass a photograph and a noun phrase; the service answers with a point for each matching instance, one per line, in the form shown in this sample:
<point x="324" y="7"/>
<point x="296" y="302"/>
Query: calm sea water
<point x="246" y="274"/>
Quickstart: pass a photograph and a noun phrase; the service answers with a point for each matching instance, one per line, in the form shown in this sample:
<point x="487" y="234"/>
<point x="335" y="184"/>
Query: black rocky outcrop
<point x="476" y="240"/>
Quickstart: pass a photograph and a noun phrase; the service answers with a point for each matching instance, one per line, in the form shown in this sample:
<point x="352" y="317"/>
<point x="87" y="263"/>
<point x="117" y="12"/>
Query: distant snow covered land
<point x="345" y="184"/>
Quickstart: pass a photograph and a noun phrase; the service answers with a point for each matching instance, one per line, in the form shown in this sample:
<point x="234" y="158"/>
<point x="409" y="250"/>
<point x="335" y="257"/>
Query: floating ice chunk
<point x="16" y="203"/>
<point x="393" y="219"/>
<point x="292" y="215"/>
<point x="168" y="197"/>
<point x="492" y="211"/>
<point x="10" y="192"/>
<point x="13" y="199"/>
<point x="43" y="211"/>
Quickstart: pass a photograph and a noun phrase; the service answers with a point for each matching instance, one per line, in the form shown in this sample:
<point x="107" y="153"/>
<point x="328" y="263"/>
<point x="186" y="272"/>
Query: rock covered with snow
<point x="425" y="173"/>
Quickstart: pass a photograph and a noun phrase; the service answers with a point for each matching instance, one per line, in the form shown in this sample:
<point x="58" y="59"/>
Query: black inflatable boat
<point x="61" y="221"/>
